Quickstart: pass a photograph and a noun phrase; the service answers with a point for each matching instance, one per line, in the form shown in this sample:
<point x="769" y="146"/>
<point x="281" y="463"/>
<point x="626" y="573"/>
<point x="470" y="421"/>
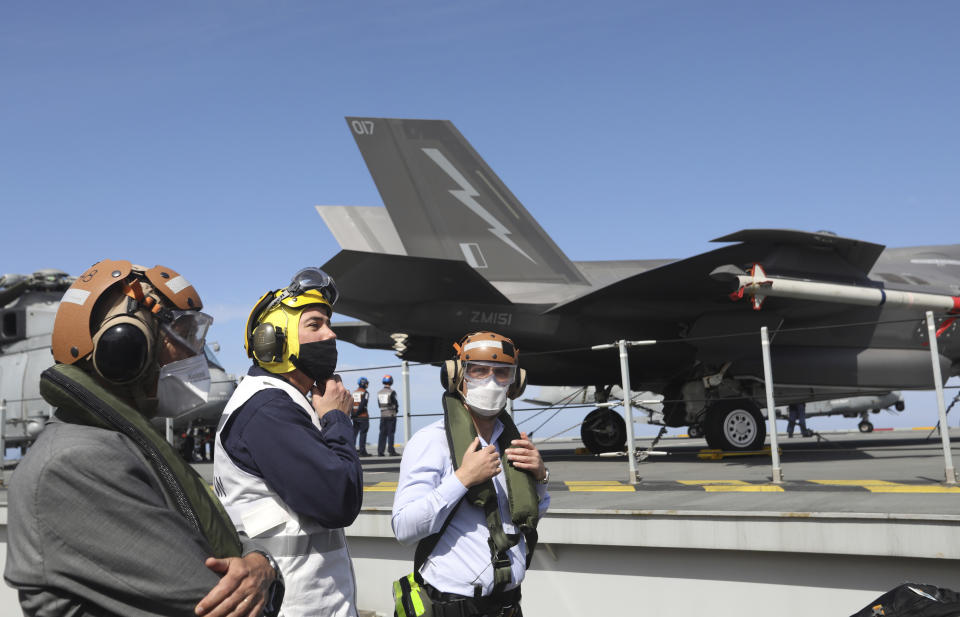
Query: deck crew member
<point x="285" y="467"/>
<point x="361" y="415"/>
<point x="105" y="517"/>
<point x="387" y="401"/>
<point x="473" y="508"/>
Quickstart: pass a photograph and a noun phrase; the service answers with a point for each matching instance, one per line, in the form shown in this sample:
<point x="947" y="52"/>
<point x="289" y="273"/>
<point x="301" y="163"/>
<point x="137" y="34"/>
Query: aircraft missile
<point x="758" y="286"/>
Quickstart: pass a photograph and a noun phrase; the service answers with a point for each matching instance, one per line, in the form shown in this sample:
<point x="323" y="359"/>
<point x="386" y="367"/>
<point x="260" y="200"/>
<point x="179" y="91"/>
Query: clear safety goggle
<point x="480" y="370"/>
<point x="187" y="329"/>
<point x="313" y="278"/>
<point x="308" y="279"/>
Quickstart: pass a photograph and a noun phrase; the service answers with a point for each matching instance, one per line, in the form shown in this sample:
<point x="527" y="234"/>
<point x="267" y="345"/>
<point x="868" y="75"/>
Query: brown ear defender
<point x="450" y="375"/>
<point x="122" y="349"/>
<point x="519" y="384"/>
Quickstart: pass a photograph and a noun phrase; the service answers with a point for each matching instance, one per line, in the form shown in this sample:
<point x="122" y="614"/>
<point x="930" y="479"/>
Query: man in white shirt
<point x="454" y="502"/>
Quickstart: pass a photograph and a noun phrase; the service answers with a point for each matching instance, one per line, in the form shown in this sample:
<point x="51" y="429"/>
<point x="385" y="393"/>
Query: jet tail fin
<point x="446" y="203"/>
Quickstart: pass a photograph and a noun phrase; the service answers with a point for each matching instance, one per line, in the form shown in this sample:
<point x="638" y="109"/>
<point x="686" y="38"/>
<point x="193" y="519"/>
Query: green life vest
<point x="80" y="399"/>
<point x="521" y="492"/>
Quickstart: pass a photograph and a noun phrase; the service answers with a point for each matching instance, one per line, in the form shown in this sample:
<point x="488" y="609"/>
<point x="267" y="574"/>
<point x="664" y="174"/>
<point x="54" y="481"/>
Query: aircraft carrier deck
<point x="855" y="516"/>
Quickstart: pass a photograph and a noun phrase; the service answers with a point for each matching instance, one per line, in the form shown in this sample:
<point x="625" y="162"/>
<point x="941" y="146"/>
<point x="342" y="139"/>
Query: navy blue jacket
<point x="316" y="473"/>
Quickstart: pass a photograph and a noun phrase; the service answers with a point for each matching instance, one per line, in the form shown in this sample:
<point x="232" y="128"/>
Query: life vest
<point x="521" y="492"/>
<point x="387" y="402"/>
<point x="359" y="408"/>
<point x="80" y="399"/>
<point x="314" y="560"/>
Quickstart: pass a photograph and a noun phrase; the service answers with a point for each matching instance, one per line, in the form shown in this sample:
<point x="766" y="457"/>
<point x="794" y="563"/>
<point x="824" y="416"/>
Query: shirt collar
<point x="497" y="431"/>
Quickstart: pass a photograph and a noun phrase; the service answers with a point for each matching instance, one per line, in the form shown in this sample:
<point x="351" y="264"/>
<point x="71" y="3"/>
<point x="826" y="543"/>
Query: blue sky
<point x="201" y="135"/>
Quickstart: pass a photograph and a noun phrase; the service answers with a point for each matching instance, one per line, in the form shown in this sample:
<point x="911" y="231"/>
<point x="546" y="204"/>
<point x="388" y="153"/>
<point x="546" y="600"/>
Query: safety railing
<point x="629" y="402"/>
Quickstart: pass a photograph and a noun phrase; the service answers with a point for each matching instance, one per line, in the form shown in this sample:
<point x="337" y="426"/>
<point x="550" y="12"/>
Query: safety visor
<point x="481" y="371"/>
<point x="187" y="330"/>
<point x="314" y="279"/>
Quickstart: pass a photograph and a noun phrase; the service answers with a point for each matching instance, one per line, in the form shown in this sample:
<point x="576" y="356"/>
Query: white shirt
<point x="428" y="491"/>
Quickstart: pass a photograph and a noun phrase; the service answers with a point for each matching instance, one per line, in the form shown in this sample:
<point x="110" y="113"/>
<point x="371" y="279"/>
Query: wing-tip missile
<point x="758" y="286"/>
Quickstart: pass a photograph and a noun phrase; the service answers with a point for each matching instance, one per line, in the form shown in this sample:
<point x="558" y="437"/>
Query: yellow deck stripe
<point x="381" y="487"/>
<point x="883" y="486"/>
<point x="739" y="488"/>
<point x="863" y="483"/>
<point x="598" y="486"/>
<point x="732" y="486"/>
<point x="592" y="482"/>
<point x="914" y="488"/>
<point x="703" y="482"/>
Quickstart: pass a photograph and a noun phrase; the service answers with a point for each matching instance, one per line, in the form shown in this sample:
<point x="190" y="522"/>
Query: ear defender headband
<point x="485" y="346"/>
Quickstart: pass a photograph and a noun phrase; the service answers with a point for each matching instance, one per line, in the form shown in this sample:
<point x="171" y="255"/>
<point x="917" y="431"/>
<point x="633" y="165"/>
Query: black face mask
<point x="318" y="360"/>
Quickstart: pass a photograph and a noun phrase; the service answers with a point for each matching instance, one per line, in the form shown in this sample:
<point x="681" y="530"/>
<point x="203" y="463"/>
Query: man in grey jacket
<point x="105" y="518"/>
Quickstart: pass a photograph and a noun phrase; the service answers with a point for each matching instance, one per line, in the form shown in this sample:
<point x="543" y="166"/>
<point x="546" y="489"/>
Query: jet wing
<point x="859" y="254"/>
<point x="371" y="283"/>
<point x="800" y="254"/>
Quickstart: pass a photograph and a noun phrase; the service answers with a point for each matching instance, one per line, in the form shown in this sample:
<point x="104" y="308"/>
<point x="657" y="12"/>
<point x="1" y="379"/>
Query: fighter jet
<point x="28" y="307"/>
<point x="455" y="251"/>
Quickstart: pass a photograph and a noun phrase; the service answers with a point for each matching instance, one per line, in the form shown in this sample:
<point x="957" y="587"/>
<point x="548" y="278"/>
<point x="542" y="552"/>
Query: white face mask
<point x="485" y="397"/>
<point x="183" y="385"/>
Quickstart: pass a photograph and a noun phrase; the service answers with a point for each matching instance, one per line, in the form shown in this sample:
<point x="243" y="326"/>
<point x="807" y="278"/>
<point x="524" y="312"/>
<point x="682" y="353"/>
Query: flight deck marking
<point x="598" y="486"/>
<point x="914" y="488"/>
<point x="466" y="195"/>
<point x="884" y="486"/>
<point x="732" y="486"/>
<point x="739" y="488"/>
<point x="722" y="486"/>
<point x="705" y="482"/>
<point x="863" y="483"/>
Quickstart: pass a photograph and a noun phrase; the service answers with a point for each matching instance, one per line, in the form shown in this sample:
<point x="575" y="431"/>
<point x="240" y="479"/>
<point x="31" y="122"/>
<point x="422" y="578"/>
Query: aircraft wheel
<point x="865" y="426"/>
<point x="694" y="431"/>
<point x="604" y="430"/>
<point x="899" y="406"/>
<point x="735" y="425"/>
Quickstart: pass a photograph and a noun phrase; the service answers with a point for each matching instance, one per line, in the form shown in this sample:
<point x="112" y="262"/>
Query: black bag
<point x="914" y="600"/>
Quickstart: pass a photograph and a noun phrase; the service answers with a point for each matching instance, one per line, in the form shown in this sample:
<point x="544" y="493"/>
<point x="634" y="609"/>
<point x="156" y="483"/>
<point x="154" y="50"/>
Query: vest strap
<point x="290" y="546"/>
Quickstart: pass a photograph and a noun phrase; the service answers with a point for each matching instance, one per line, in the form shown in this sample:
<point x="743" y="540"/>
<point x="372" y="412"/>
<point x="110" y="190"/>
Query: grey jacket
<point x="91" y="531"/>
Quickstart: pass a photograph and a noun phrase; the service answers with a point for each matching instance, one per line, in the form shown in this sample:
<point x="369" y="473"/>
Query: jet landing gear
<point x="734" y="425"/>
<point x="604" y="430"/>
<point x="865" y="426"/>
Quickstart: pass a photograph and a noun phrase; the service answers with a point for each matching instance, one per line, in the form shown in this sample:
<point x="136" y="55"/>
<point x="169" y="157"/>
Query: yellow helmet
<point x="272" y="327"/>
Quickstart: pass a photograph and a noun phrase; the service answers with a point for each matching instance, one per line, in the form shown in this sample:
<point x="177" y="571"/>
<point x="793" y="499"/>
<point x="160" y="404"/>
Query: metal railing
<point x="628" y="401"/>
